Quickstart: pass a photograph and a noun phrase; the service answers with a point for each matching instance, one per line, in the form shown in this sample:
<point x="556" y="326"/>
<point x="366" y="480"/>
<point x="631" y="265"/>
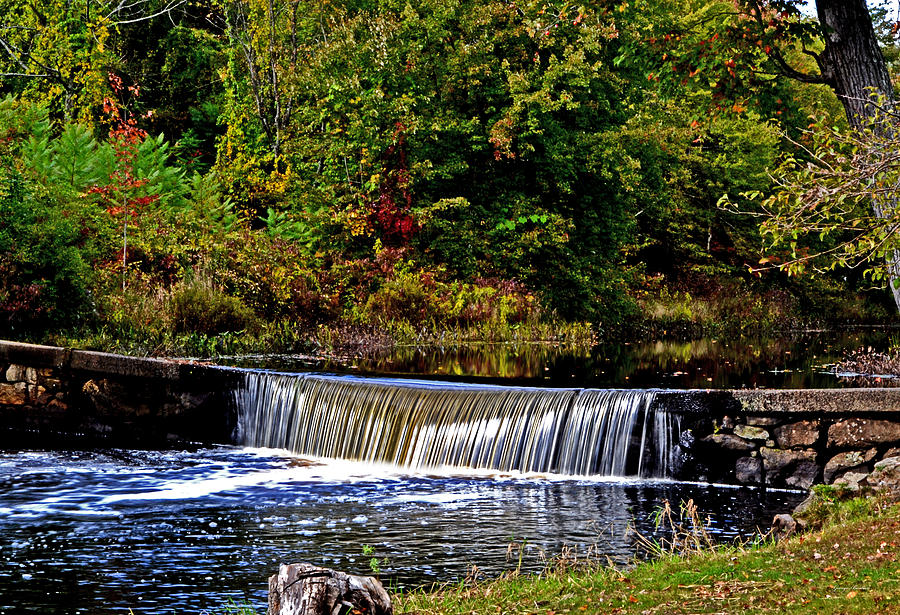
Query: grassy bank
<point x="850" y="565"/>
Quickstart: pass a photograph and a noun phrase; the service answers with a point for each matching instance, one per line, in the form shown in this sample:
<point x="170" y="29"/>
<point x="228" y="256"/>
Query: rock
<point x="785" y="526"/>
<point x="11" y="395"/>
<point x="791" y="468"/>
<point x="847" y="461"/>
<point x="728" y="442"/>
<point x="304" y="589"/>
<point x="886" y="476"/>
<point x="852" y="481"/>
<point x="15" y="373"/>
<point x="856" y="433"/>
<point x="891" y="452"/>
<point x="762" y="421"/>
<point x="806" y="504"/>
<point x="52" y="384"/>
<point x="804" y="475"/>
<point x="727" y="422"/>
<point x="748" y="470"/>
<point x="751" y="433"/>
<point x="801" y="433"/>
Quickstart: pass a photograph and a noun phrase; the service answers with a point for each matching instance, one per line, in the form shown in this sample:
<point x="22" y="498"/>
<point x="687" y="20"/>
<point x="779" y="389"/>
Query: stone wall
<point x="785" y="438"/>
<point x="58" y="397"/>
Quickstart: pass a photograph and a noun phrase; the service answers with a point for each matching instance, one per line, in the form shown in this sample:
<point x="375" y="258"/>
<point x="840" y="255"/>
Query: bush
<point x="198" y="305"/>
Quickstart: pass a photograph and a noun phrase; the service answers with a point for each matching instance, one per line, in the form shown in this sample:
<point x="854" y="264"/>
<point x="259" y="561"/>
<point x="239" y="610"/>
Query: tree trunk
<point x="853" y="65"/>
<point x="304" y="589"/>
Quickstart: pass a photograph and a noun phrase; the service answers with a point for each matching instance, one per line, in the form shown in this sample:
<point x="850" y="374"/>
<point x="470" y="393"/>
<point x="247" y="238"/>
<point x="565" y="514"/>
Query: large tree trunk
<point x="853" y="65"/>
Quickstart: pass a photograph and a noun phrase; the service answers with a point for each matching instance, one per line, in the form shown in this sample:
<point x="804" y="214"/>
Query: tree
<point x="58" y="50"/>
<point x="732" y="46"/>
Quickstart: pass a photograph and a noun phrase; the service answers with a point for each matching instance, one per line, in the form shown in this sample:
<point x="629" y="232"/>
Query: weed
<point x="688" y="532"/>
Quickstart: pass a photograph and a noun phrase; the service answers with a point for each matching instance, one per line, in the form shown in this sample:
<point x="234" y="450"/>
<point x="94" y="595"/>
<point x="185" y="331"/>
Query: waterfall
<point x="417" y="424"/>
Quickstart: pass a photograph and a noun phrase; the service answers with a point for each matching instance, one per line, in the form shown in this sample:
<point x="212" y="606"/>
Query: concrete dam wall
<point x="55" y="397"/>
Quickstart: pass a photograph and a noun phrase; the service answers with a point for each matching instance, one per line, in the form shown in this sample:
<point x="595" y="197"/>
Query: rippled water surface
<point x="164" y="532"/>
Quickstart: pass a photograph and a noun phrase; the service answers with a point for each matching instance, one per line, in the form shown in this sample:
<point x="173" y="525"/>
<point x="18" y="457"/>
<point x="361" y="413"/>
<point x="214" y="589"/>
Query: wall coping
<point x="34" y="355"/>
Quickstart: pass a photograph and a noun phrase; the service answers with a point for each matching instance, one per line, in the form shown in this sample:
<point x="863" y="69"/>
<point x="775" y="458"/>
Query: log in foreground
<point x="304" y="589"/>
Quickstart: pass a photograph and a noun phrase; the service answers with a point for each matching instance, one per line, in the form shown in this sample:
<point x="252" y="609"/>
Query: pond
<point x="799" y="360"/>
<point x="184" y="531"/>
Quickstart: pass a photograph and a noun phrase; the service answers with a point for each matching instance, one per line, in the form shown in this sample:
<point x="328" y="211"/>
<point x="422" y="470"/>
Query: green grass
<point x="849" y="566"/>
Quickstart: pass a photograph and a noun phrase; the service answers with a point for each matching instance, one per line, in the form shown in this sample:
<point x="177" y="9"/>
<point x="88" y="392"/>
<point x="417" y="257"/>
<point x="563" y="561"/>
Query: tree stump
<point x="304" y="589"/>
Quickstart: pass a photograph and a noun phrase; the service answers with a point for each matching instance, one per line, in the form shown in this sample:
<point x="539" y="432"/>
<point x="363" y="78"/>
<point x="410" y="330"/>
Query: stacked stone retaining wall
<point x="54" y="396"/>
<point x="783" y="438"/>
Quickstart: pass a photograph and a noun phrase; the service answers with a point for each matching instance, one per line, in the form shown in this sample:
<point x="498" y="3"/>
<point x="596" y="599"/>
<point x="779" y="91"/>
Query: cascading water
<point x="428" y="425"/>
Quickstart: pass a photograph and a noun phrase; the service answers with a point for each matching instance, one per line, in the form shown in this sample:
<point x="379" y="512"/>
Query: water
<point x="184" y="531"/>
<point x="801" y="360"/>
<point x="418" y="424"/>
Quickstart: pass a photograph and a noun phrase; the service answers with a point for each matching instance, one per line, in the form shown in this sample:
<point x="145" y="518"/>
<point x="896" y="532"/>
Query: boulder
<point x="852" y="481"/>
<point x="785" y="526"/>
<point x="801" y="433"/>
<point x="886" y="476"/>
<point x="12" y="395"/>
<point x="748" y="470"/>
<point x="728" y="442"/>
<point x="850" y="460"/>
<point x="803" y="476"/>
<point x="790" y="468"/>
<point x="751" y="433"/>
<point x="16" y="373"/>
<point x="856" y="433"/>
<point x="304" y="589"/>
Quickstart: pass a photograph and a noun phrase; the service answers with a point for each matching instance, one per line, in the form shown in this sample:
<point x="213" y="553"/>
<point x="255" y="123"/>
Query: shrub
<point x="199" y="305"/>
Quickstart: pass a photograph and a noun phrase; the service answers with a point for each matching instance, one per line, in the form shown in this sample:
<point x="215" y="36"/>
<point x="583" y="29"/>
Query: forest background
<point x="200" y="177"/>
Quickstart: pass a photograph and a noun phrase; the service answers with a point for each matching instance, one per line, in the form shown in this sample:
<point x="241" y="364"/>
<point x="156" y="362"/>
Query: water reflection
<point x="798" y="361"/>
<point x="185" y="531"/>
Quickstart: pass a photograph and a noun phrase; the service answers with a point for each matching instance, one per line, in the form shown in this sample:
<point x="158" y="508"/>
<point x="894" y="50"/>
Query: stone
<point x="35" y="391"/>
<point x="857" y="433"/>
<point x="304" y="589"/>
<point x="847" y="461"/>
<point x="885" y="476"/>
<point x="15" y="373"/>
<point x="852" y="481"/>
<point x="728" y="442"/>
<point x="748" y="470"/>
<point x="762" y="421"/>
<point x="791" y="468"/>
<point x="801" y="433"/>
<point x="51" y="384"/>
<point x="803" y="476"/>
<point x="11" y="395"/>
<point x="784" y="526"/>
<point x="806" y="504"/>
<point x="727" y="422"/>
<point x="31" y="375"/>
<point x="891" y="452"/>
<point x="751" y="433"/>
